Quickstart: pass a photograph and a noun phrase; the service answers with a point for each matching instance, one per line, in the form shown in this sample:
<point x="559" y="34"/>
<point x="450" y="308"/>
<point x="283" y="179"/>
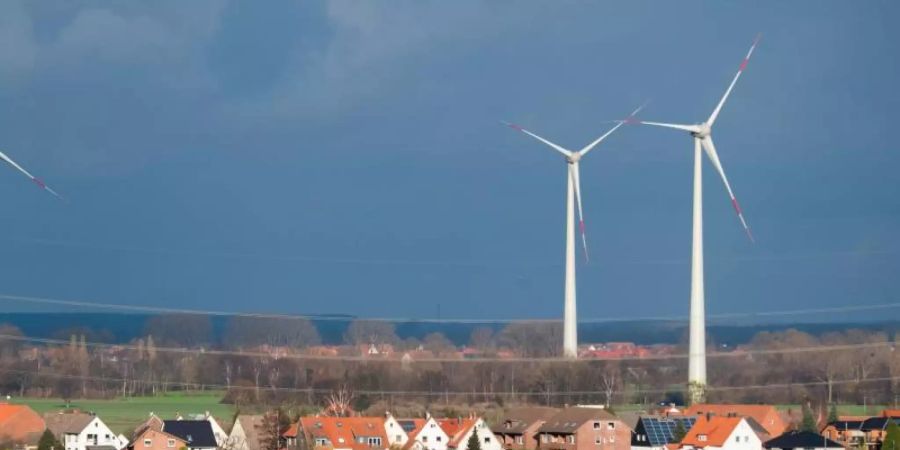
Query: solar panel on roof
<point x="407" y="425"/>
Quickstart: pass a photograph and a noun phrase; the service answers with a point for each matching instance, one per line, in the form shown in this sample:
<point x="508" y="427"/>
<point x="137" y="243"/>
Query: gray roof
<point x="61" y="423"/>
<point x="516" y="420"/>
<point x="570" y="419"/>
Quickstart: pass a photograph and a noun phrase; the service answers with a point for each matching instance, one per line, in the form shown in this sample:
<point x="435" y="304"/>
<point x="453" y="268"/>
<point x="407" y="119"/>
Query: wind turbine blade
<point x="576" y="181"/>
<point x="36" y="180"/>
<point x="629" y="119"/>
<point x="715" y="113"/>
<point x="555" y="147"/>
<point x="688" y="128"/>
<point x="714" y="158"/>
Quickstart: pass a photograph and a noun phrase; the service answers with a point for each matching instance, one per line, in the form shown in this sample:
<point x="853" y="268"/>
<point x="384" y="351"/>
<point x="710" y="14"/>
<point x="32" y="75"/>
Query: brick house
<point x="584" y="427"/>
<point x="518" y="429"/>
<point x="20" y="424"/>
<point x="153" y="439"/>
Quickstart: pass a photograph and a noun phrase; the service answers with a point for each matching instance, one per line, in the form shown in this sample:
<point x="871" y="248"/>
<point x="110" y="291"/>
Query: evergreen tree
<point x="832" y="414"/>
<point x="49" y="442"/>
<point x="892" y="437"/>
<point x="809" y="422"/>
<point x="679" y="432"/>
<point x="473" y="443"/>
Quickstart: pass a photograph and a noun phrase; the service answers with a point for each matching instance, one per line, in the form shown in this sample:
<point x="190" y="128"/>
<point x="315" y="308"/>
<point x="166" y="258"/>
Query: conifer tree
<point x="473" y="442"/>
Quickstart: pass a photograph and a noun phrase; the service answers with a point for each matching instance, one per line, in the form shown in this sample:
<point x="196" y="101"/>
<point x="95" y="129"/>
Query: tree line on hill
<point x="853" y="366"/>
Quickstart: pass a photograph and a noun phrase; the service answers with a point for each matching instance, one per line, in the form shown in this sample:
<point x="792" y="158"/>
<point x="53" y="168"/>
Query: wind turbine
<point x="36" y="180"/>
<point x="573" y="193"/>
<point x="702" y="134"/>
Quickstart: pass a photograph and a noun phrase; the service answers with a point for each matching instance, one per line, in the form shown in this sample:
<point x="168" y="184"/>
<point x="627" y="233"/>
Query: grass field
<point x="123" y="414"/>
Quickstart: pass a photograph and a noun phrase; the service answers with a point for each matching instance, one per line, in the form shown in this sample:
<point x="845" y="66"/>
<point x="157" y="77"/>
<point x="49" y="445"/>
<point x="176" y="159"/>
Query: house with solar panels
<point x="653" y="433"/>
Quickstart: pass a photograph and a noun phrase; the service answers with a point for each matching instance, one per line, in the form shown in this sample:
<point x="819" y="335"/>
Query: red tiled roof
<point x="343" y="431"/>
<point x="456" y="429"/>
<point x="765" y="415"/>
<point x="713" y="431"/>
<point x="292" y="430"/>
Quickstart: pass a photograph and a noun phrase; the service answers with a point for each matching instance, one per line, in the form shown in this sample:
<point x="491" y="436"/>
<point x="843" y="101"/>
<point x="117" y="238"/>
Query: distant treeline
<point x="124" y="328"/>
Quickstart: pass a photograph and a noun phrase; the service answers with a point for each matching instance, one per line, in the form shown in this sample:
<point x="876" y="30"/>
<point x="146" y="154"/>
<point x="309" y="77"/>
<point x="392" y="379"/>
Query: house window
<point x="424" y="438"/>
<point x="545" y="438"/>
<point x="437" y="438"/>
<point x="598" y="441"/>
<point x="701" y="438"/>
<point x="610" y="425"/>
<point x="487" y="440"/>
<point x="570" y="439"/>
<point x="147" y="442"/>
<point x="596" y="425"/>
<point x="612" y="439"/>
<point x="520" y="440"/>
<point x="398" y="438"/>
<point x="321" y="442"/>
<point x="170" y="443"/>
<point x="374" y="441"/>
<point x="746" y="438"/>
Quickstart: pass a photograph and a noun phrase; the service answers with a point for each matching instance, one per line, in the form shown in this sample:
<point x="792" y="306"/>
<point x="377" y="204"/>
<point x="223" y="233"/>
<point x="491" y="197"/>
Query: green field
<point x="123" y="414"/>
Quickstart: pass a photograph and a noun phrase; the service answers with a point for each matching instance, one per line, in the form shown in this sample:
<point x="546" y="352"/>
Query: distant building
<point x="801" y="440"/>
<point x="149" y="438"/>
<point x="847" y="432"/>
<point x="82" y="431"/>
<point x="341" y="433"/>
<point x="655" y="432"/>
<point x="518" y="429"/>
<point x="19" y="423"/>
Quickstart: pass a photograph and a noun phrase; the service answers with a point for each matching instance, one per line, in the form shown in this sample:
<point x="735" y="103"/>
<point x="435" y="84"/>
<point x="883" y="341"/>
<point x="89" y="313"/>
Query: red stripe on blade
<point x="743" y="65"/>
<point x="39" y="183"/>
<point x="736" y="206"/>
<point x="581" y="225"/>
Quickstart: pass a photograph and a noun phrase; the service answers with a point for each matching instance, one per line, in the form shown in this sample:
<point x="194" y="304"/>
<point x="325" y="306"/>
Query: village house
<point x="657" y="432"/>
<point x="584" y="427"/>
<point x="341" y="433"/>
<point x="847" y="432"/>
<point x="396" y="435"/>
<point x="425" y="434"/>
<point x="874" y="430"/>
<point x="20" y="424"/>
<point x="721" y="433"/>
<point x="801" y="440"/>
<point x="518" y="429"/>
<point x="218" y="431"/>
<point x="764" y="415"/>
<point x="245" y="433"/>
<point x="197" y="434"/>
<point x="82" y="431"/>
<point x="459" y="431"/>
<point x="149" y="438"/>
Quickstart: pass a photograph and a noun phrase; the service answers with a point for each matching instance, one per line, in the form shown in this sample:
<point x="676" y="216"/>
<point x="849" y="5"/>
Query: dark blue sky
<point x="347" y="157"/>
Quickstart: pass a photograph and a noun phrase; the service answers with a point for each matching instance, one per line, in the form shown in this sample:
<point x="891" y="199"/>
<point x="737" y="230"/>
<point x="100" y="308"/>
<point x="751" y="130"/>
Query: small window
<point x="598" y="441"/>
<point x="437" y="438"/>
<point x="545" y="438"/>
<point x="432" y="425"/>
<point x="148" y="443"/>
<point x="487" y="440"/>
<point x="170" y="443"/>
<point x="746" y="438"/>
<point x="612" y="439"/>
<point x="610" y="425"/>
<point x="596" y="425"/>
<point x="701" y="437"/>
<point x="398" y="438"/>
<point x="570" y="439"/>
<point x="424" y="438"/>
<point x="520" y="440"/>
<point x="737" y="439"/>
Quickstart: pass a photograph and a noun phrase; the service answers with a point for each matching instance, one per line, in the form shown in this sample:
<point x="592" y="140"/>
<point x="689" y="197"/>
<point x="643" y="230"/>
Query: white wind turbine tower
<point x="702" y="138"/>
<point x="573" y="192"/>
<point x="33" y="178"/>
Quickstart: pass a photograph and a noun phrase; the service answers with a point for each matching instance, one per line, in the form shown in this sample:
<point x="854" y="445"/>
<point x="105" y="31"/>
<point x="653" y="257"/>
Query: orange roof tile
<point x="292" y="430"/>
<point x="713" y="431"/>
<point x="765" y="415"/>
<point x="456" y="429"/>
<point x="343" y="432"/>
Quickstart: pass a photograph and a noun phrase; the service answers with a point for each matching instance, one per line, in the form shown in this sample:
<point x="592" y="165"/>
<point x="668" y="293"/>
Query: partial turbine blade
<point x="629" y="119"/>
<point x="555" y="147"/>
<point x="688" y="128"/>
<point x="714" y="157"/>
<point x="576" y="181"/>
<point x="715" y="113"/>
<point x="36" y="180"/>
